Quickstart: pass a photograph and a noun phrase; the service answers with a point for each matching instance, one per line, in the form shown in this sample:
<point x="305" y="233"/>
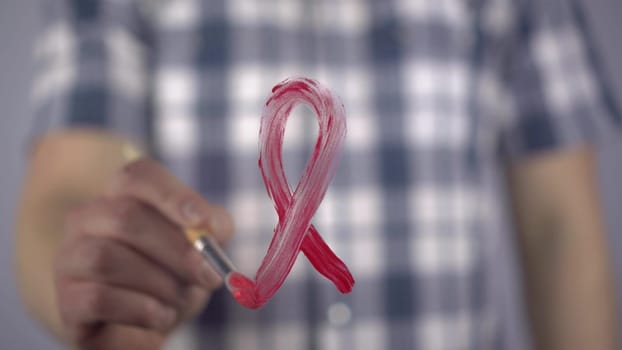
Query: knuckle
<point x="195" y="300"/>
<point x="75" y="218"/>
<point x="125" y="208"/>
<point x="97" y="256"/>
<point x="173" y="198"/>
<point x="168" y="290"/>
<point x="125" y="211"/>
<point x="65" y="304"/>
<point x="149" y="312"/>
<point x="149" y="309"/>
<point x="93" y="300"/>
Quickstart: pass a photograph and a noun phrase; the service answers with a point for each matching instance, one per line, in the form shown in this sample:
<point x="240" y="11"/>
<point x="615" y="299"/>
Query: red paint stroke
<point x="294" y="232"/>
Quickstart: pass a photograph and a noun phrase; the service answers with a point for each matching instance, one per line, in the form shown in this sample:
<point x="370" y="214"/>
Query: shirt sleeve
<point x="92" y="64"/>
<point x="559" y="96"/>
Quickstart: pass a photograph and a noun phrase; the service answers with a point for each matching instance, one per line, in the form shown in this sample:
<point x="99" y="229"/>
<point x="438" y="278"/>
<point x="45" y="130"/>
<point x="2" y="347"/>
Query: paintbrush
<point x="202" y="240"/>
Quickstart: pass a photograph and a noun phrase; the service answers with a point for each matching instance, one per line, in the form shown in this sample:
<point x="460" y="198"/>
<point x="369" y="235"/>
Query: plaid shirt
<point x="439" y="95"/>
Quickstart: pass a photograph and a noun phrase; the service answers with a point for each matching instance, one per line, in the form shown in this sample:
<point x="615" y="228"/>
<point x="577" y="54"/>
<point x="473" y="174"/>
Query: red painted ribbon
<point x="294" y="232"/>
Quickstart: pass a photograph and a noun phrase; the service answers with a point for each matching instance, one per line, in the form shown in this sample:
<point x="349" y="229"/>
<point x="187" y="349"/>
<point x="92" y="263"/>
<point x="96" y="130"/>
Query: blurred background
<point x="18" y="22"/>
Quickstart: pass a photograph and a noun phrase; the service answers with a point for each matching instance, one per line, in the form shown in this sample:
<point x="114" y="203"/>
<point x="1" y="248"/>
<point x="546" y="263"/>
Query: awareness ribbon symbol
<point x="294" y="231"/>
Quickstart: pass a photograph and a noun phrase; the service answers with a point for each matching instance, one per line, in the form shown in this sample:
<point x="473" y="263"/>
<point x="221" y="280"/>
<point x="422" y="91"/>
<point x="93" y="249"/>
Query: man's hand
<point x="124" y="271"/>
<point x="125" y="274"/>
<point x="101" y="256"/>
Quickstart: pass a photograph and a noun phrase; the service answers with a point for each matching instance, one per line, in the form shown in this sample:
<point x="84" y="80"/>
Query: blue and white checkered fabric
<point x="439" y="95"/>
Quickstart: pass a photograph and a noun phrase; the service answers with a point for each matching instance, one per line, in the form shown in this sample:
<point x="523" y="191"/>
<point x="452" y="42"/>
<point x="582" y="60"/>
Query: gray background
<point x="17" y="27"/>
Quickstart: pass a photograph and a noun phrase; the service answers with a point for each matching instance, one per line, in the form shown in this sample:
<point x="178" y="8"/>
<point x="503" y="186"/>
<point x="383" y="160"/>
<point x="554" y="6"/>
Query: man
<point x="444" y="99"/>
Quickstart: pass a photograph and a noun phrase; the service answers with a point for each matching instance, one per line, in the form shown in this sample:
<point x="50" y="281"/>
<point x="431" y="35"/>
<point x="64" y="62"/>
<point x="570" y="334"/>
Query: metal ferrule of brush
<point x="212" y="251"/>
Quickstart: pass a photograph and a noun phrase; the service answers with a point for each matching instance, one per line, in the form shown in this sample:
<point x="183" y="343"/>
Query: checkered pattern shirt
<point x="439" y="95"/>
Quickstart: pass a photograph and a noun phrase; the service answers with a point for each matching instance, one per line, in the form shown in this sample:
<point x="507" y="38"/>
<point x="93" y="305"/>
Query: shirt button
<point x="339" y="314"/>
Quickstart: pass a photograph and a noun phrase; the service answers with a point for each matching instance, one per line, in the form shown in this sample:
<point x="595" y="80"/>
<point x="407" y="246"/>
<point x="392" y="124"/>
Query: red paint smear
<point x="294" y="231"/>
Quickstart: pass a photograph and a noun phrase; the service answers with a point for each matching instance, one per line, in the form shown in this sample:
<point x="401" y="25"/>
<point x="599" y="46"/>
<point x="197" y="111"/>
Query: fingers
<point x="124" y="261"/>
<point x="195" y="300"/>
<point x="142" y="229"/>
<point x="110" y="262"/>
<point x="151" y="183"/>
<point x="85" y="304"/>
<point x="134" y="269"/>
<point x="117" y="336"/>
